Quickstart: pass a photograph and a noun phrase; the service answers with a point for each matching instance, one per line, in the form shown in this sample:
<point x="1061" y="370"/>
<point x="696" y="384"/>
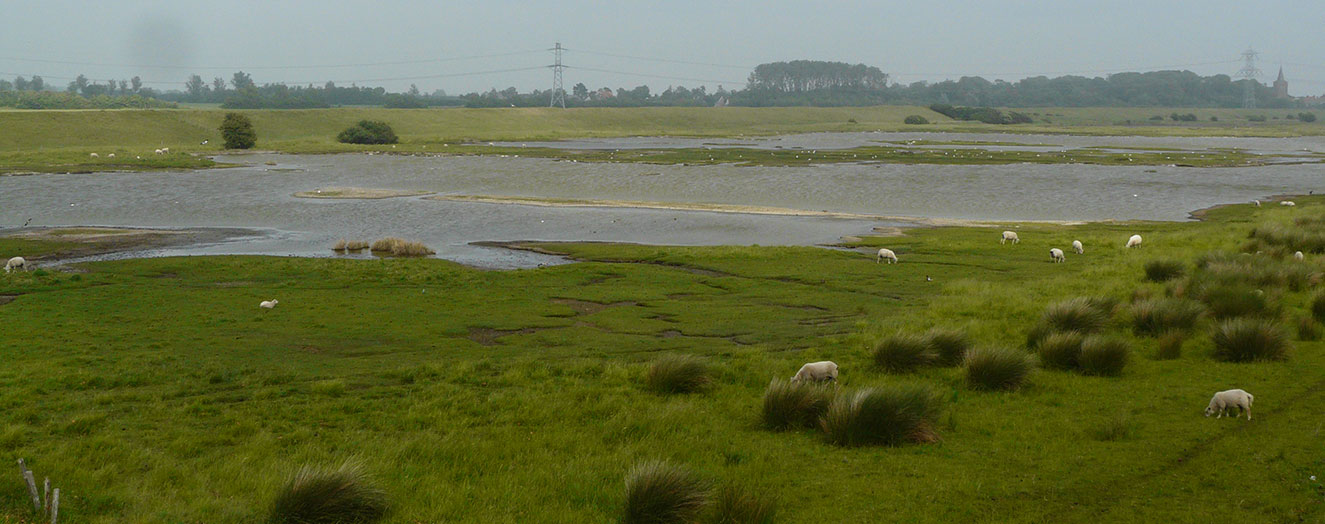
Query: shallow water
<point x="259" y="197"/>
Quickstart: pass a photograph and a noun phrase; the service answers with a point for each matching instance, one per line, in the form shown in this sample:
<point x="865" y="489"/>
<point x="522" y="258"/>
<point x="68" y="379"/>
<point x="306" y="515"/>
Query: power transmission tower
<point x="1249" y="73"/>
<point x="558" y="94"/>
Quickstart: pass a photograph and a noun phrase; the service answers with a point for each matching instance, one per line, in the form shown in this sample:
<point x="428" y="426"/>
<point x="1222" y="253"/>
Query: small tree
<point x="1306" y="117"/>
<point x="368" y="132"/>
<point x="237" y="131"/>
<point x="916" y="120"/>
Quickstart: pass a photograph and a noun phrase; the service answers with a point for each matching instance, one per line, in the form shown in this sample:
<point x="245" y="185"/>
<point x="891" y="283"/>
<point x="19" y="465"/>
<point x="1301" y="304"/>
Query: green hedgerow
<point x="997" y="368"/>
<point x="678" y="374"/>
<point x="883" y="416"/>
<point x="790" y="405"/>
<point x="1102" y="355"/>
<point x="1246" y="339"/>
<point x="660" y="493"/>
<point x="902" y="352"/>
<point x="321" y="496"/>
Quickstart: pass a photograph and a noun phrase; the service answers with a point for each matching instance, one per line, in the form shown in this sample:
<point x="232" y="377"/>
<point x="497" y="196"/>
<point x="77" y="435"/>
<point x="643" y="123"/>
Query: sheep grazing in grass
<point x="1257" y="202"/>
<point x="165" y="150"/>
<point x="1223" y="401"/>
<point x="1288" y="203"/>
<point x="1056" y="255"/>
<point x="1076" y="246"/>
<point x="94" y="155"/>
<point x="888" y="254"/>
<point x="112" y="155"/>
<point x="1298" y="256"/>
<point x="160" y="152"/>
<point x="822" y="371"/>
<point x="16" y="263"/>
<point x="1135" y="241"/>
<point x="1009" y="236"/>
<point x="268" y="304"/>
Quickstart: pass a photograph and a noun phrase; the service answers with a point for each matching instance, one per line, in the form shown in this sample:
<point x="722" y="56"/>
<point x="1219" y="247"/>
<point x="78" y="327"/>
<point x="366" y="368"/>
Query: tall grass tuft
<point x="1116" y="428"/>
<point x="1106" y="356"/>
<point x="1318" y="306"/>
<point x="1170" y="345"/>
<point x="791" y="405"/>
<point x="1248" y="339"/>
<point x="997" y="368"/>
<point x="1236" y="300"/>
<point x="1061" y="350"/>
<point x="321" y="496"/>
<point x="1155" y="316"/>
<point x="1084" y="315"/>
<point x="735" y="505"/>
<point x="887" y="416"/>
<point x="660" y="493"/>
<point x="948" y="346"/>
<point x="1164" y="270"/>
<point x="401" y="248"/>
<point x="1307" y="328"/>
<point x="902" y="352"/>
<point x="678" y="374"/>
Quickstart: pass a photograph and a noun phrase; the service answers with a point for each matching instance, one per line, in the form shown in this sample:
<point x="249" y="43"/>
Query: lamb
<point x="1298" y="256"/>
<point x="1056" y="255"/>
<point x="1226" y="400"/>
<point x="823" y="371"/>
<point x="888" y="254"/>
<point x="1135" y="241"/>
<point x="1288" y="203"/>
<point x="1009" y="235"/>
<point x="1076" y="246"/>
<point x="16" y="263"/>
<point x="268" y="304"/>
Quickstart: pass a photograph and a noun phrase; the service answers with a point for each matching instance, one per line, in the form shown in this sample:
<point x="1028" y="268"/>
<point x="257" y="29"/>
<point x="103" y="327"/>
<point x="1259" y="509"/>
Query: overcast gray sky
<point x="679" y="42"/>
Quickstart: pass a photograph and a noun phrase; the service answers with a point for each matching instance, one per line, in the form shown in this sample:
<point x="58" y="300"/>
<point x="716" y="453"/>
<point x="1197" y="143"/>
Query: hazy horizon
<point x="686" y="43"/>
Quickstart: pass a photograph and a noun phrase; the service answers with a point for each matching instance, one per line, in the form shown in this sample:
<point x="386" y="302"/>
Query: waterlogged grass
<point x="157" y="390"/>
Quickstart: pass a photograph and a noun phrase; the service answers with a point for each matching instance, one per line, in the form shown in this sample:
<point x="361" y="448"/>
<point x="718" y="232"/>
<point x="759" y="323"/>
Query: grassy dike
<point x="156" y="389"/>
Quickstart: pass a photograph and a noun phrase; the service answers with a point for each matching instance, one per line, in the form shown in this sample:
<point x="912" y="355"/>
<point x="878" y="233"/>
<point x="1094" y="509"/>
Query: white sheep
<point x="268" y="304"/>
<point x="1056" y="255"/>
<point x="94" y="155"/>
<point x="1257" y="202"/>
<point x="1288" y="203"/>
<point x="1298" y="256"/>
<point x="112" y="155"/>
<point x="1009" y="235"/>
<point x="165" y="150"/>
<point x="1135" y="241"/>
<point x="160" y="152"/>
<point x="823" y="371"/>
<point x="1076" y="246"/>
<point x="16" y="263"/>
<point x="888" y="254"/>
<point x="1226" y="400"/>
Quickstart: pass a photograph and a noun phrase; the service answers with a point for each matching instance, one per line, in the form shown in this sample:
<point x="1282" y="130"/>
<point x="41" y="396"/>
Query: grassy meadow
<point x="155" y="390"/>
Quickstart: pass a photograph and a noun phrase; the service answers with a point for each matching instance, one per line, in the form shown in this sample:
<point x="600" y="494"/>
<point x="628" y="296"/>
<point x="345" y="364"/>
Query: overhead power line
<point x="664" y="77"/>
<point x="261" y="68"/>
<point x="667" y="60"/>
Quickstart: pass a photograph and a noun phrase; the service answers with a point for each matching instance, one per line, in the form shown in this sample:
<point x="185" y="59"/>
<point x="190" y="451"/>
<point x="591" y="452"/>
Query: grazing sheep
<point x="94" y="155"/>
<point x="16" y="263"/>
<point x="1257" y="202"/>
<point x="165" y="150"/>
<point x="1056" y="255"/>
<point x="1226" y="400"/>
<point x="1009" y="235"/>
<point x="1288" y="203"/>
<point x="1135" y="241"/>
<point x="1076" y="246"/>
<point x="160" y="152"/>
<point x="112" y="155"/>
<point x="823" y="371"/>
<point x="268" y="304"/>
<point x="888" y="254"/>
<point x="1298" y="256"/>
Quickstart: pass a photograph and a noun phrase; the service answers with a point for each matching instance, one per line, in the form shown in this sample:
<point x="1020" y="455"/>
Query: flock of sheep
<point x="161" y="151"/>
<point x="1055" y="254"/>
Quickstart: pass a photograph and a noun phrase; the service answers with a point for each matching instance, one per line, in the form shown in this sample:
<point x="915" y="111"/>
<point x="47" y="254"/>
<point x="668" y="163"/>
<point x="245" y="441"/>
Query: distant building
<point x="1281" y="85"/>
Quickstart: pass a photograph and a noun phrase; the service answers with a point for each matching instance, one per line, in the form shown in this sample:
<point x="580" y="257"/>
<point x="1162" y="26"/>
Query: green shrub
<point x="1170" y="345"/>
<point x="678" y="374"/>
<point x="885" y="416"/>
<point x="1155" y="316"/>
<point x="735" y="505"/>
<point x="790" y="405"/>
<point x="319" y="496"/>
<point x="237" y="132"/>
<point x="1061" y="350"/>
<point x="1307" y="328"/>
<point x="1164" y="270"/>
<point x="1105" y="356"/>
<point x="1247" y="339"/>
<point x="660" y="493"/>
<point x="916" y="120"/>
<point x="1318" y="306"/>
<point x="947" y="345"/>
<point x="902" y="352"/>
<point x="997" y="368"/>
<point x="368" y="132"/>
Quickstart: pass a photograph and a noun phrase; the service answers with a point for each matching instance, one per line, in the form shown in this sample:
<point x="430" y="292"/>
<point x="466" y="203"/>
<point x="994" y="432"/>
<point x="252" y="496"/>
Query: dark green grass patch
<point x="1103" y="355"/>
<point x="1155" y="316"/>
<point x="1248" y="339"/>
<point x="733" y="504"/>
<point x="1164" y="270"/>
<point x="344" y="495"/>
<point x="678" y="374"/>
<point x="890" y="416"/>
<point x="903" y="352"/>
<point x="949" y="346"/>
<point x="658" y="492"/>
<point x="791" y="405"/>
<point x="995" y="368"/>
<point x="1169" y="345"/>
<point x="1061" y="350"/>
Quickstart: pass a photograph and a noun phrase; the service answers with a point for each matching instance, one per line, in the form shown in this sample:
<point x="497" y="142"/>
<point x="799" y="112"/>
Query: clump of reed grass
<point x="996" y="368"/>
<point x="1084" y="315"/>
<point x="401" y="248"/>
<point x="1249" y="339"/>
<point x="949" y="346"/>
<point x="1105" y="356"/>
<point x="733" y="504"/>
<point x="658" y="492"/>
<point x="1061" y="350"/>
<point x="343" y="245"/>
<point x="1164" y="270"/>
<point x="1307" y="328"/>
<point x="678" y="374"/>
<point x="1154" y="316"/>
<point x="1318" y="306"/>
<point x="1236" y="300"/>
<point x="791" y="405"/>
<point x="344" y="495"/>
<point x="1170" y="345"/>
<point x="889" y="416"/>
<point x="902" y="352"/>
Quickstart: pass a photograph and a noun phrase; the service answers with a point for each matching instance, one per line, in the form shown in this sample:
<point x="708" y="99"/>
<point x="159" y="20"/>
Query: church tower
<point x="1281" y="85"/>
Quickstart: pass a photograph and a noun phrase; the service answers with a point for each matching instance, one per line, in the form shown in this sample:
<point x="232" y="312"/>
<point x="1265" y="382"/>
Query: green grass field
<point x="156" y="390"/>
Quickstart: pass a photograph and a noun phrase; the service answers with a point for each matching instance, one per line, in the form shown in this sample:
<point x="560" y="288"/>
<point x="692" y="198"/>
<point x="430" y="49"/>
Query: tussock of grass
<point x="661" y="493"/>
<point x="887" y="416"/>
<point x="1117" y="428"/>
<point x="1170" y="345"/>
<point x="1164" y="270"/>
<point x="1234" y="300"/>
<point x="736" y="505"/>
<point x="678" y="374"/>
<point x="1249" y="339"/>
<point x="1105" y="356"/>
<point x="321" y="496"/>
<point x="1318" y="306"/>
<point x="349" y="245"/>
<point x="949" y="346"/>
<point x="1154" y="316"/>
<point x="997" y="368"/>
<point x="1061" y="350"/>
<point x="1083" y="315"/>
<point x="401" y="248"/>
<point x="791" y="405"/>
<point x="903" y="352"/>
<point x="1307" y="328"/>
